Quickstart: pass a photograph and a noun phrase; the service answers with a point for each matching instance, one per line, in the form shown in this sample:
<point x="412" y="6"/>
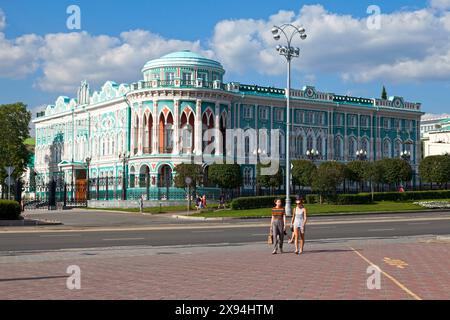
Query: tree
<point x="373" y="174"/>
<point x="328" y="177"/>
<point x="183" y="170"/>
<point x="14" y="124"/>
<point x="395" y="171"/>
<point x="384" y="95"/>
<point x="226" y="176"/>
<point x="355" y="171"/>
<point x="268" y="181"/>
<point x="435" y="169"/>
<point x="303" y="172"/>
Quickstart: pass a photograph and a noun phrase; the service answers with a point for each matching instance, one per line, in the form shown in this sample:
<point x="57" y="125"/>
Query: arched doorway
<point x="144" y="179"/>
<point x="165" y="176"/>
<point x="165" y="133"/>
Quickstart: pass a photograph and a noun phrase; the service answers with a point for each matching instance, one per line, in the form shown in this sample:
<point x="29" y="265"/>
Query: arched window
<point x="319" y="145"/>
<point x="309" y="143"/>
<point x="365" y="146"/>
<point x="397" y="148"/>
<point x="299" y="145"/>
<point x="386" y="148"/>
<point x="352" y="147"/>
<point x="338" y="147"/>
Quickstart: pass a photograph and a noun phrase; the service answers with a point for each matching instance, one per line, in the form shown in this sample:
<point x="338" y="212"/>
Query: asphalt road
<point x="200" y="234"/>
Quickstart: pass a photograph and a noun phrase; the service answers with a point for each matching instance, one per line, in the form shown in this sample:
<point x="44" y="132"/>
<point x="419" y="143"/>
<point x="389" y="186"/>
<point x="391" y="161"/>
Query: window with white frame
<point x="300" y="115"/>
<point x="279" y="115"/>
<point x="352" y="121"/>
<point x="339" y="119"/>
<point x="386" y="123"/>
<point x="386" y="148"/>
<point x="203" y="76"/>
<point x="263" y="113"/>
<point x="365" y="121"/>
<point x="248" y="112"/>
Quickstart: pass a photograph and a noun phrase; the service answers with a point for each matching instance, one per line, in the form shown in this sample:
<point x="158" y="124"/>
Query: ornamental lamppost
<point x="88" y="163"/>
<point x="406" y="155"/>
<point x="361" y="155"/>
<point x="289" y="52"/>
<point x="125" y="156"/>
<point x="312" y="154"/>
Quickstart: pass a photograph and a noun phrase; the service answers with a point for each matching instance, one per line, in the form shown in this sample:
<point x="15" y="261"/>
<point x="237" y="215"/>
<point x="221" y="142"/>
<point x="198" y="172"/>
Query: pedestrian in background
<point x="278" y="226"/>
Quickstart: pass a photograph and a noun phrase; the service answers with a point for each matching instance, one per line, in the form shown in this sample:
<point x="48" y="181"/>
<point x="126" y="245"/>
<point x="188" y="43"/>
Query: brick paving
<point x="324" y="271"/>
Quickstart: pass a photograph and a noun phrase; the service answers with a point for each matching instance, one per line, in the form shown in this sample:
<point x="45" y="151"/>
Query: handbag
<point x="270" y="238"/>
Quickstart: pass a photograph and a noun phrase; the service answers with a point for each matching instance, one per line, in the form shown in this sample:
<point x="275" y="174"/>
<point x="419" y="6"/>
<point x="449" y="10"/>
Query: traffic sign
<point x="9" y="170"/>
<point x="9" y="181"/>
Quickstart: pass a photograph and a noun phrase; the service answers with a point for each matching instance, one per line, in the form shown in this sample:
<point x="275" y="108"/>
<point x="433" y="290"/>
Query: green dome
<point x="185" y="58"/>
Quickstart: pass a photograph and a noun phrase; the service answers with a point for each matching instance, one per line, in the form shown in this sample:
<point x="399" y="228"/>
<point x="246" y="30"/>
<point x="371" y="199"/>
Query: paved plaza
<point x="411" y="268"/>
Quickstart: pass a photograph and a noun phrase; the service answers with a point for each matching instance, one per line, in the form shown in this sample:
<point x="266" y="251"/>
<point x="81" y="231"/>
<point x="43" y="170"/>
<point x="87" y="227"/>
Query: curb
<point x="27" y="223"/>
<point x="310" y="215"/>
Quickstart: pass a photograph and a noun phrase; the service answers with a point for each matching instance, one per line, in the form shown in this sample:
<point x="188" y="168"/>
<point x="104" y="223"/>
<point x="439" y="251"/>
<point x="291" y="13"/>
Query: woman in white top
<point x="299" y="221"/>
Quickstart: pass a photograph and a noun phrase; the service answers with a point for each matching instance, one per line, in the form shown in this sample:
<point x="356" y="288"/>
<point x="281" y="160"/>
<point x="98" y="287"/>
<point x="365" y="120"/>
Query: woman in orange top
<point x="278" y="226"/>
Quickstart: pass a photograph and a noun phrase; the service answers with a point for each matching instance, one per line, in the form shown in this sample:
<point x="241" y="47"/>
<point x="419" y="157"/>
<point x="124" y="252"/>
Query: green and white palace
<point x="159" y="122"/>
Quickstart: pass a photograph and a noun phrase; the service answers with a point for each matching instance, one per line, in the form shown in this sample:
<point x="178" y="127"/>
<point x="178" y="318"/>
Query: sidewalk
<point x="413" y="268"/>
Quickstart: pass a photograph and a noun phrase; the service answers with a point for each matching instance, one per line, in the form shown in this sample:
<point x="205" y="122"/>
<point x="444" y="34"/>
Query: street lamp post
<point x="124" y="157"/>
<point x="361" y="155"/>
<point x="88" y="163"/>
<point x="312" y="154"/>
<point x="289" y="52"/>
<point x="406" y="155"/>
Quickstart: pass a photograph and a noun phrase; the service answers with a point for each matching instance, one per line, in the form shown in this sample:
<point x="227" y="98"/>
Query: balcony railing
<point x="176" y="83"/>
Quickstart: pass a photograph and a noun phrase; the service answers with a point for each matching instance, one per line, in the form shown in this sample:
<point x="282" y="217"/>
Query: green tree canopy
<point x="268" y="181"/>
<point x="328" y="177"/>
<point x="226" y="176"/>
<point x="435" y="169"/>
<point x="303" y="172"/>
<point x="14" y="124"/>
<point x="183" y="170"/>
<point x="395" y="171"/>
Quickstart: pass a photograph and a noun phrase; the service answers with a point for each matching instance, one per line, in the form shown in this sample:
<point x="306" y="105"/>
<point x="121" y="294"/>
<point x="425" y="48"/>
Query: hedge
<point x="342" y="199"/>
<point x="9" y="210"/>
<point x="257" y="202"/>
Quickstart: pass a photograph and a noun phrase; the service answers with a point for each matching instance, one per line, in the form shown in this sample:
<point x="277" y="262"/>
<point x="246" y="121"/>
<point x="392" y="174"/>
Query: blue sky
<point x="41" y="59"/>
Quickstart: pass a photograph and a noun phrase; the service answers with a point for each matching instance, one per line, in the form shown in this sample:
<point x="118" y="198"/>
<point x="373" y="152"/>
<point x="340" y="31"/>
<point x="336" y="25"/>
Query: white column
<point x="345" y="138"/>
<point x="176" y="127"/>
<point x="217" y="141"/>
<point x="198" y="128"/>
<point x="140" y="131"/>
<point x="155" y="133"/>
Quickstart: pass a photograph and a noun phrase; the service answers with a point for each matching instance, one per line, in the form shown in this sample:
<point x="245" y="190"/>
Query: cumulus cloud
<point x="440" y="4"/>
<point x="2" y="20"/>
<point x="412" y="45"/>
<point x="66" y="57"/>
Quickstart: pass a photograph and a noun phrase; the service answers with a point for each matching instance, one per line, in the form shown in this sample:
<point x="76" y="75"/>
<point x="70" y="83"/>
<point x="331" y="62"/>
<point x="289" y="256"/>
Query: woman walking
<point x="278" y="226"/>
<point x="299" y="221"/>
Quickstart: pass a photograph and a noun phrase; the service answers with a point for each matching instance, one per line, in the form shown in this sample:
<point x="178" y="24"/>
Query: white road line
<point x="207" y="231"/>
<point x="375" y="230"/>
<point x="314" y="227"/>
<point x="123" y="239"/>
<point x="418" y="223"/>
<point x="60" y="235"/>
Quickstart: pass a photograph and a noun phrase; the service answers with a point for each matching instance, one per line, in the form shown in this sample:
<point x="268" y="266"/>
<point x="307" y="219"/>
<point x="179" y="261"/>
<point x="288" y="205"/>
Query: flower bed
<point x="434" y="204"/>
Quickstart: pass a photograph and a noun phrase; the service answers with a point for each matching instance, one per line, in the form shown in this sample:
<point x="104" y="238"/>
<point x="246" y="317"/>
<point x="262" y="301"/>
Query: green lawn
<point x="154" y="210"/>
<point x="318" y="209"/>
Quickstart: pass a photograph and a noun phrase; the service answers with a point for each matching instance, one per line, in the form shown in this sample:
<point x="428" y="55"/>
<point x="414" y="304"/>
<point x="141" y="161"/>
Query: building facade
<point x="163" y="120"/>
<point x="437" y="140"/>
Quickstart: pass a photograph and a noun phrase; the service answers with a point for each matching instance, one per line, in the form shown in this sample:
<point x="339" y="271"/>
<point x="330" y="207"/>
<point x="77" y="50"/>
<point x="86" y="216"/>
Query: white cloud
<point x="440" y="4"/>
<point x="2" y="20"/>
<point x="69" y="58"/>
<point x="412" y="45"/>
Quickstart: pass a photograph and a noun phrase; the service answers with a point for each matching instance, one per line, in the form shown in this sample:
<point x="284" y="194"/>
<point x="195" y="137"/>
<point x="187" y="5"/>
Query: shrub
<point x="245" y="203"/>
<point x="9" y="210"/>
<point x="312" y="198"/>
<point x="353" y="199"/>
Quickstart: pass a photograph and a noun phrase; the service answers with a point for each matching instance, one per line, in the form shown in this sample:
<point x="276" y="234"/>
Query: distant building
<point x="437" y="141"/>
<point x="431" y="122"/>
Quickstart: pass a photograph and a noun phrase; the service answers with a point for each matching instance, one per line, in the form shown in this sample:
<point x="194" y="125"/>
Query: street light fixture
<point x="361" y="155"/>
<point x="406" y="155"/>
<point x="289" y="52"/>
<point x="125" y="156"/>
<point x="312" y="154"/>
